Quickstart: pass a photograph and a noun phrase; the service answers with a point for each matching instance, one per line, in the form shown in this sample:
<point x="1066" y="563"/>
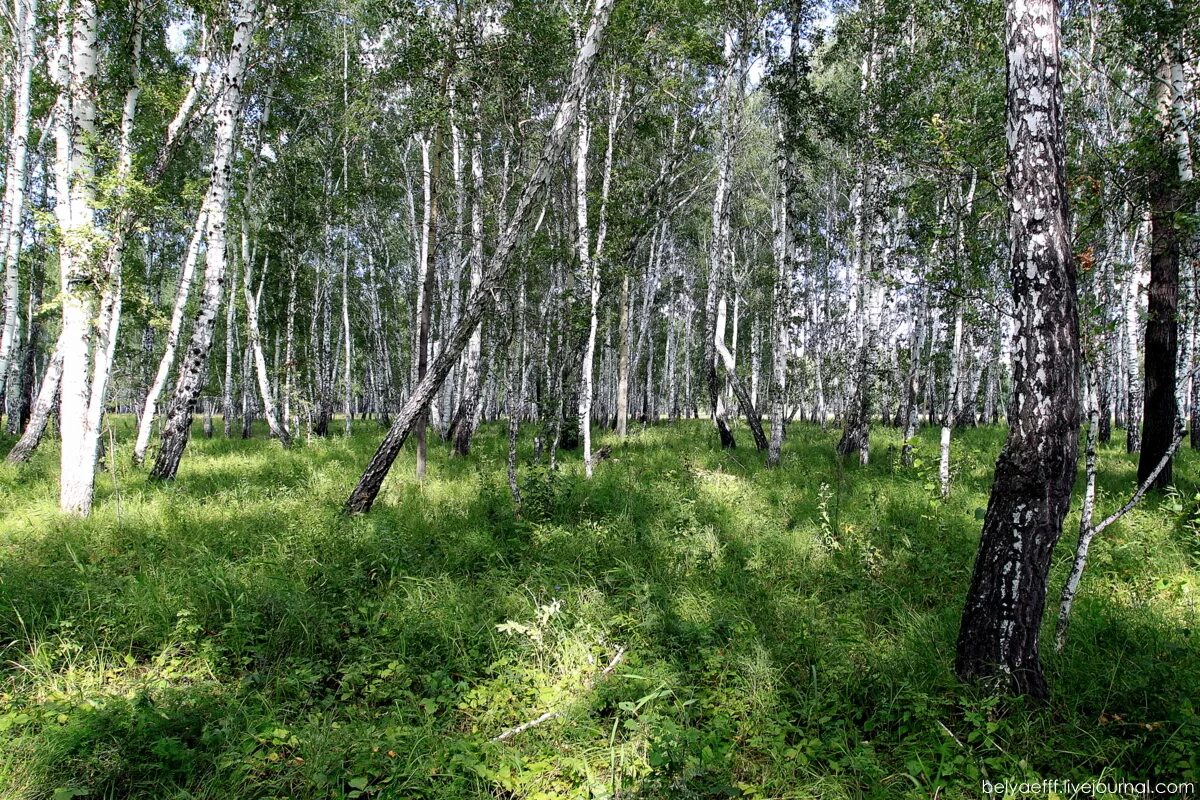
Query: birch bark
<point x="15" y="179"/>
<point x="718" y="251"/>
<point x="175" y="329"/>
<point x="194" y="369"/>
<point x="468" y="413"/>
<point x="368" y="487"/>
<point x="1001" y="623"/>
<point x="278" y="430"/>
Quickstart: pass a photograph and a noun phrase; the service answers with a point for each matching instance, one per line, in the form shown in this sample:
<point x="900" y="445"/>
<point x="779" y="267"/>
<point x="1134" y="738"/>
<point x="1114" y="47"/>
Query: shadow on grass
<point x="232" y="634"/>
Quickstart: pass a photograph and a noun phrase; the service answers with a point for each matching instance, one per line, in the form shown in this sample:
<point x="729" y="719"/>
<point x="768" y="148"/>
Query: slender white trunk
<point x="430" y="167"/>
<point x="347" y="376"/>
<point x="1131" y="333"/>
<point x="953" y="388"/>
<point x="289" y="356"/>
<point x="468" y="415"/>
<point x="951" y="404"/>
<point x="590" y="268"/>
<point x="15" y="180"/>
<point x="230" y="348"/>
<point x="782" y="313"/>
<point x="624" y="335"/>
<point x="718" y="249"/>
<point x="252" y="332"/>
<point x="348" y="396"/>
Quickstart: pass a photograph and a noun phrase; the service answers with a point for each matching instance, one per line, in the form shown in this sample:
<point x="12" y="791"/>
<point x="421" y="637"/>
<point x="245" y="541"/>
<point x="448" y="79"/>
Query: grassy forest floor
<point x="786" y="634"/>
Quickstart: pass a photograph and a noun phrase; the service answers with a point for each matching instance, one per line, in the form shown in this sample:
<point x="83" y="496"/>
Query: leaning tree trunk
<point x="739" y="388"/>
<point x="33" y="341"/>
<point x="150" y="407"/>
<point x="998" y="638"/>
<point x="43" y="407"/>
<point x="194" y="370"/>
<point x="369" y="484"/>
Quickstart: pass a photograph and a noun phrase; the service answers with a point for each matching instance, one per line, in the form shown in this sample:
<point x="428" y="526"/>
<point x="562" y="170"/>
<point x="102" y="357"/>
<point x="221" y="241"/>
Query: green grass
<point x="788" y="634"/>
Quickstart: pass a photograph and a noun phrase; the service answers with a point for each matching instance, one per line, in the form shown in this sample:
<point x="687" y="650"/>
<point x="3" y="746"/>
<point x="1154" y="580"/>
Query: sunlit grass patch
<point x="784" y="633"/>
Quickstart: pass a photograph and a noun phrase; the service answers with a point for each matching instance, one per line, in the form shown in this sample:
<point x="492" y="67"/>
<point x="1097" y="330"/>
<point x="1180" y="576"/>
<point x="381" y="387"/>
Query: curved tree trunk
<point x="193" y="372"/>
<point x="150" y="407"/>
<point x="739" y="388"/>
<point x="1001" y="623"/>
<point x="718" y="249"/>
<point x="278" y="430"/>
<point x="43" y="407"/>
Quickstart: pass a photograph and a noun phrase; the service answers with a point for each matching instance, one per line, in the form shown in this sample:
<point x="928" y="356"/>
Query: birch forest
<point x="548" y="399"/>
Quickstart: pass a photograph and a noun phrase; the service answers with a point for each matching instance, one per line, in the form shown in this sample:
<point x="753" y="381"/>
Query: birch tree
<point x="368" y="487"/>
<point x="12" y="214"/>
<point x="194" y="368"/>
<point x="999" y="635"/>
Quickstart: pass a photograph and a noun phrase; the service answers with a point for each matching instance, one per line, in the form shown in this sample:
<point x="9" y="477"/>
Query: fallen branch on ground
<point x="549" y="715"/>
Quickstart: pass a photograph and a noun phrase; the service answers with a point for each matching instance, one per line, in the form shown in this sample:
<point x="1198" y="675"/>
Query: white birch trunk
<point x="590" y="268"/>
<point x="468" y="415"/>
<point x="348" y="395"/>
<point x="76" y="128"/>
<point x="782" y="313"/>
<point x="278" y="430"/>
<point x="15" y="180"/>
<point x="951" y="405"/>
<point x="194" y="368"/>
<point x="230" y="348"/>
<point x="165" y="364"/>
